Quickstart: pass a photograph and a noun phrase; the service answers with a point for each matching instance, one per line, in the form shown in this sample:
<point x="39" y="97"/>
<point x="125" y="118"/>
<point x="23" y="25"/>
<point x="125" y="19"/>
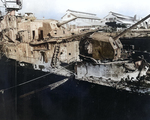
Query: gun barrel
<point x="62" y="23"/>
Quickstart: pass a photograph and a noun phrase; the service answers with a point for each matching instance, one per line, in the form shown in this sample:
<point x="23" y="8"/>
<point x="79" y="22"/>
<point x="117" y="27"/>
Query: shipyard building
<point x="119" y="20"/>
<point x="84" y="20"/>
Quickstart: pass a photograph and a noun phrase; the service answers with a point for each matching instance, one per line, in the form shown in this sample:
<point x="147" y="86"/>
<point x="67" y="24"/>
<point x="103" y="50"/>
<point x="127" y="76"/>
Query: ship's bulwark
<point x="75" y="100"/>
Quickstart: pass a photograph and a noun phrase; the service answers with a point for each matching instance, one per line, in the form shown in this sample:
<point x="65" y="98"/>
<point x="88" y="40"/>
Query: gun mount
<point x="103" y="46"/>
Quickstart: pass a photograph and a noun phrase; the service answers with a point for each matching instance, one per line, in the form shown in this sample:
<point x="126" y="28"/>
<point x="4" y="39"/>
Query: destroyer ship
<point x="91" y="56"/>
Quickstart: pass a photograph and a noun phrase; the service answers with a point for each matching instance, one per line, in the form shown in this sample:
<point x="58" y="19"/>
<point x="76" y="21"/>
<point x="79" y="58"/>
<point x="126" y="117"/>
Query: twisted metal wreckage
<point x="92" y="55"/>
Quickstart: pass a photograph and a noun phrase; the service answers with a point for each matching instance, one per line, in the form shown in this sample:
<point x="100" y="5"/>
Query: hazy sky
<point x="55" y="9"/>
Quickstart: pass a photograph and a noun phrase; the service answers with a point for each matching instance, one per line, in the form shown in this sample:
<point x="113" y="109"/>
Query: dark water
<point x="74" y="100"/>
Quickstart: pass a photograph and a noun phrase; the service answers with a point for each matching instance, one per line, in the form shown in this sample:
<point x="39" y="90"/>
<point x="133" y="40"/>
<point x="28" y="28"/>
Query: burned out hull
<point x="116" y="75"/>
<point x="111" y="74"/>
<point x="67" y="99"/>
<point x="35" y="80"/>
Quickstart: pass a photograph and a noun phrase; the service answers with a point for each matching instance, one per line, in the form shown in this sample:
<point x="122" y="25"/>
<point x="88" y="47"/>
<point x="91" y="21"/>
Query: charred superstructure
<point x="92" y="55"/>
<point x="25" y="37"/>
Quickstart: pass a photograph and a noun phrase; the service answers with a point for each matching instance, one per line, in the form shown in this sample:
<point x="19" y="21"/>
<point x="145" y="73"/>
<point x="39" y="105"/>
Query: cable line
<point x="3" y="90"/>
